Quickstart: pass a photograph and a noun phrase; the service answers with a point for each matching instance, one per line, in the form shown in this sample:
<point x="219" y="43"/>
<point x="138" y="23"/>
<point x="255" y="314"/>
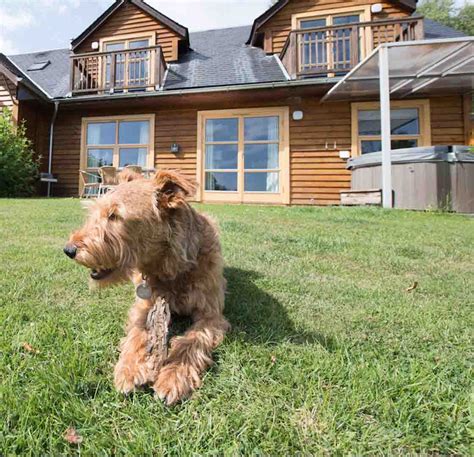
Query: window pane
<point x="101" y="133"/>
<point x="134" y="132"/>
<point x="115" y="46"/>
<point x="97" y="158"/>
<point x="341" y="20"/>
<point x="312" y="23"/>
<point x="405" y="122"/>
<point x="222" y="130"/>
<point x="376" y="145"/>
<point x="221" y="157"/>
<point x="136" y="44"/>
<point x="221" y="181"/>
<point x="403" y="144"/>
<point x="261" y="128"/>
<point x="261" y="182"/>
<point x="132" y="156"/>
<point x="261" y="156"/>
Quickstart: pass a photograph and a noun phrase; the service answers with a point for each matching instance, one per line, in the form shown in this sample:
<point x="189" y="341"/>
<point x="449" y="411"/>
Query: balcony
<point x="335" y="50"/>
<point x="131" y="70"/>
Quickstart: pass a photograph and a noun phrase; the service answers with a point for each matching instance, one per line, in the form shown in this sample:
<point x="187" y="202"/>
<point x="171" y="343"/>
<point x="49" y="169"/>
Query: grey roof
<point x="216" y="58"/>
<point x="220" y="57"/>
<point x="54" y="79"/>
<point x="435" y="29"/>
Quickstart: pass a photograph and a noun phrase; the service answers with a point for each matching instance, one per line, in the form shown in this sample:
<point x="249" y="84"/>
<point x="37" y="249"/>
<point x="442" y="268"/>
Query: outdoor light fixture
<point x="95" y="45"/>
<point x="376" y="8"/>
<point x="298" y="115"/>
<point x="175" y="148"/>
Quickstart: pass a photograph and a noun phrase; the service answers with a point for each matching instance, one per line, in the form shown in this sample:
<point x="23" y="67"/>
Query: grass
<point x="328" y="354"/>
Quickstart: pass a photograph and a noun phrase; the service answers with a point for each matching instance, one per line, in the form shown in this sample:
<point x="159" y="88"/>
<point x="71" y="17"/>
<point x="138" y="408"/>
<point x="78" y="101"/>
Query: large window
<point x="409" y="121"/>
<point x="117" y="142"/>
<point x="244" y="155"/>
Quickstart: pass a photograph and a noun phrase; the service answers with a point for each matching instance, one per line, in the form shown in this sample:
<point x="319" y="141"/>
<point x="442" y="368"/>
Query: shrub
<point x="18" y="168"/>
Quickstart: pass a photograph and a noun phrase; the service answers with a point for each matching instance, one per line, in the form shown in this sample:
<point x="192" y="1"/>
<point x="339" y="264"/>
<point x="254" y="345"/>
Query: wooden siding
<point x="317" y="174"/>
<point x="7" y="92"/>
<point x="278" y="27"/>
<point x="131" y="20"/>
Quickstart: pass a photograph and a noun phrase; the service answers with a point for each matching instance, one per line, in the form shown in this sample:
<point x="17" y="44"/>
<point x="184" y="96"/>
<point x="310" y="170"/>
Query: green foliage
<point x="446" y="12"/>
<point x="18" y="168"/>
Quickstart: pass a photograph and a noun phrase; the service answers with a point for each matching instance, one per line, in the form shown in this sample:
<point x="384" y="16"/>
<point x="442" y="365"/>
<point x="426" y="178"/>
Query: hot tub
<point x="438" y="177"/>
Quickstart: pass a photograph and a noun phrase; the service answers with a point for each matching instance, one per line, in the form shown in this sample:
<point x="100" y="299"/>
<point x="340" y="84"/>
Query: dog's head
<point x="130" y="228"/>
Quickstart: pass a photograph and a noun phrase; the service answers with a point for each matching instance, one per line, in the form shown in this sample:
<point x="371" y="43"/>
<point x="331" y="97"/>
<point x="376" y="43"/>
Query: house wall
<point x="131" y="20"/>
<point x="317" y="173"/>
<point x="279" y="26"/>
<point x="8" y="96"/>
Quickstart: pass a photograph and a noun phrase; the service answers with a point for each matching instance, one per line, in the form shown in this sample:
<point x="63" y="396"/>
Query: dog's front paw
<point x="129" y="376"/>
<point x="176" y="382"/>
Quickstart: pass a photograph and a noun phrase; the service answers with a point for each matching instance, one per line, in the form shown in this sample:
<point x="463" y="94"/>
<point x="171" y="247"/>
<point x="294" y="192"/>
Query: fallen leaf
<point x="273" y="359"/>
<point x="72" y="437"/>
<point x="412" y="287"/>
<point x="29" y="348"/>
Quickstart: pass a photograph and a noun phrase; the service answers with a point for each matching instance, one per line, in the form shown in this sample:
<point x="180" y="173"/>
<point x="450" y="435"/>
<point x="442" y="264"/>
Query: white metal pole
<point x="384" y="76"/>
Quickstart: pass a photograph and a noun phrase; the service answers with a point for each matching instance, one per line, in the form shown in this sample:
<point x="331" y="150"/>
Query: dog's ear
<point x="172" y="188"/>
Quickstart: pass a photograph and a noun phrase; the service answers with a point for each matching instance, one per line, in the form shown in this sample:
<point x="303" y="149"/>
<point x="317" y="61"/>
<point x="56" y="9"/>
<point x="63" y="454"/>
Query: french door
<point x="329" y="50"/>
<point x="128" y="69"/>
<point x="244" y="155"/>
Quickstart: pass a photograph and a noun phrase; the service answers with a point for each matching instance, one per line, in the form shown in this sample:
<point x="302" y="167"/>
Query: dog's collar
<point x="144" y="290"/>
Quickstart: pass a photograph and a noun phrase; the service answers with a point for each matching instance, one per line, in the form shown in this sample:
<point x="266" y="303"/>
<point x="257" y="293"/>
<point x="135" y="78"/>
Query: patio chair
<point x="108" y="177"/>
<point x="89" y="189"/>
<point x="135" y="168"/>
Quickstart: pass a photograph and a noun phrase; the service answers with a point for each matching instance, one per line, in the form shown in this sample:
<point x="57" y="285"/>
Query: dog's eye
<point x="113" y="217"/>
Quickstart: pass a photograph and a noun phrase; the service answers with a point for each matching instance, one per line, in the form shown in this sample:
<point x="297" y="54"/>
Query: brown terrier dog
<point x="145" y="231"/>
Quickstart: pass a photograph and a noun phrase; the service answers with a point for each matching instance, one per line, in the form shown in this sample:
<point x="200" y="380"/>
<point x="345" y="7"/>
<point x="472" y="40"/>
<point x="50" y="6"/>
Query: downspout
<point x="51" y="139"/>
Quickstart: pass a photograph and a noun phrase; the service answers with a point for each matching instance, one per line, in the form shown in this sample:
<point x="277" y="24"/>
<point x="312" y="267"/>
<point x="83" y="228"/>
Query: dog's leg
<point x="189" y="356"/>
<point x="132" y="369"/>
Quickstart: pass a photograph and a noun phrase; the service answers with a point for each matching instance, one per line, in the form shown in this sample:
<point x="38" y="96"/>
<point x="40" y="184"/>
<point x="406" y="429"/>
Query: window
<point x="410" y="121"/>
<point x="244" y="155"/>
<point x="118" y="142"/>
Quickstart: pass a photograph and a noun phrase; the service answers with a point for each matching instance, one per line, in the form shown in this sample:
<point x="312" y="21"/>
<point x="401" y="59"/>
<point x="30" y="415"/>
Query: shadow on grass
<point x="260" y="318"/>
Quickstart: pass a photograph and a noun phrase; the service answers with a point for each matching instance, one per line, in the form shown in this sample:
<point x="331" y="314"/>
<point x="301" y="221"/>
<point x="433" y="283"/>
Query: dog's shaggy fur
<point x="147" y="229"/>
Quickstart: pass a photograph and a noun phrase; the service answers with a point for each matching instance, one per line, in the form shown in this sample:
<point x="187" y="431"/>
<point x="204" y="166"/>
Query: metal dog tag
<point x="144" y="291"/>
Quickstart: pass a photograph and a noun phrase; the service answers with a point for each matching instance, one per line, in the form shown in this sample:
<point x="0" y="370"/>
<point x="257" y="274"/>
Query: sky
<point x="38" y="25"/>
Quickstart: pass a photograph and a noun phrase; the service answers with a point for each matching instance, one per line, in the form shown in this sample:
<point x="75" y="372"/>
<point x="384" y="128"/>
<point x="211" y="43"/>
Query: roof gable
<point x="165" y="20"/>
<point x="410" y="5"/>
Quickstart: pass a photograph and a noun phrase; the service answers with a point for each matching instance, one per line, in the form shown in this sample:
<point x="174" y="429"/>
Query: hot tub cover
<point x="415" y="155"/>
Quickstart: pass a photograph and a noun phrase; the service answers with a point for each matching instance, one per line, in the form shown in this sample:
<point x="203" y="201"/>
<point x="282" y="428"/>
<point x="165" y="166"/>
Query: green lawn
<point x="329" y="354"/>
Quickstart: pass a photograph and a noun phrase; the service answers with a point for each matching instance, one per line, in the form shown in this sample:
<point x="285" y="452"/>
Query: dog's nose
<point x="70" y="250"/>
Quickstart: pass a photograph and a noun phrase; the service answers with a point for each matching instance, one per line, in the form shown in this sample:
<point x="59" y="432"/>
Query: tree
<point x="18" y="168"/>
<point x="446" y="12"/>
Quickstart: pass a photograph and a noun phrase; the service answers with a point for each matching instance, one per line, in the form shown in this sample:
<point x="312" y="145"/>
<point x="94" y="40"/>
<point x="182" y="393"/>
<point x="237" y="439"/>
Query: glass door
<point x="119" y="66"/>
<point x="244" y="157"/>
<point x="313" y="46"/>
<point x="139" y="63"/>
<point x="343" y="45"/>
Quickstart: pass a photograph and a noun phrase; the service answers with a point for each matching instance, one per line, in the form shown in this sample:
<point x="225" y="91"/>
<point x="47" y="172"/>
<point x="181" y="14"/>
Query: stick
<point x="157" y="325"/>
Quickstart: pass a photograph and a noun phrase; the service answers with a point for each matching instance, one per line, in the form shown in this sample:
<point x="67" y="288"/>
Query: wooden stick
<point x="157" y="325"/>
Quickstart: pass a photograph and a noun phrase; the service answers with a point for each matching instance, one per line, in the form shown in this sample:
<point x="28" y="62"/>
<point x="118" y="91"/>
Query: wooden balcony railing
<point x="335" y="50"/>
<point x="129" y="70"/>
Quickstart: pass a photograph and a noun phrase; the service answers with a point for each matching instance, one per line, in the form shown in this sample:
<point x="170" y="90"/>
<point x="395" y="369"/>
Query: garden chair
<point x="89" y="188"/>
<point x="108" y="177"/>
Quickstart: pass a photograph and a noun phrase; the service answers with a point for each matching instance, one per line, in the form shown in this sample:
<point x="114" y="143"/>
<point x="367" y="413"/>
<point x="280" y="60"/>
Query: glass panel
<point x="350" y="19"/>
<point x="132" y="156"/>
<point x="221" y="157"/>
<point x="313" y="23"/>
<point x="101" y="133"/>
<point x="222" y="130"/>
<point x="134" y="132"/>
<point x="261" y="128"/>
<point x="405" y="121"/>
<point x="119" y="64"/>
<point x="261" y="182"/>
<point x="369" y="146"/>
<point x="221" y="181"/>
<point x="137" y="44"/>
<point x="261" y="156"/>
<point x="97" y="158"/>
<point x="115" y="46"/>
